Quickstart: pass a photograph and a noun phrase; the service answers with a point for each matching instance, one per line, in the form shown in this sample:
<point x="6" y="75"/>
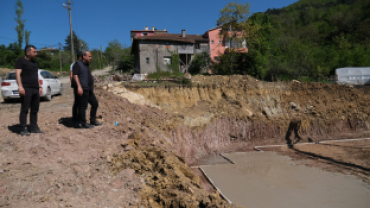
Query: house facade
<point x="220" y="45"/>
<point x="155" y="52"/>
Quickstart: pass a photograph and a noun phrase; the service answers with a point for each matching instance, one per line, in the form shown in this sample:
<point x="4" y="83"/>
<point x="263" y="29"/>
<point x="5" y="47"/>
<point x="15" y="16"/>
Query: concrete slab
<point x="265" y="179"/>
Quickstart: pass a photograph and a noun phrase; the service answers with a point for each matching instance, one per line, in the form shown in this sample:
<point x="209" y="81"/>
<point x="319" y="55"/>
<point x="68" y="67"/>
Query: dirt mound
<point x="233" y="113"/>
<point x="169" y="181"/>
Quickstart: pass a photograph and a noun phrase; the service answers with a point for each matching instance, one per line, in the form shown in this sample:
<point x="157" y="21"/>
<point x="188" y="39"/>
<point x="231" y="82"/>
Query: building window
<point x="212" y="41"/>
<point x="216" y="58"/>
<point x="167" y="60"/>
<point x="219" y="42"/>
<point x="147" y="60"/>
<point x="144" y="34"/>
<point x="197" y="46"/>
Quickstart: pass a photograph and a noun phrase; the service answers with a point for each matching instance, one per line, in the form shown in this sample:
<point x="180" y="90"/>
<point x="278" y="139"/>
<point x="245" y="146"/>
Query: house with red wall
<point x="220" y="45"/>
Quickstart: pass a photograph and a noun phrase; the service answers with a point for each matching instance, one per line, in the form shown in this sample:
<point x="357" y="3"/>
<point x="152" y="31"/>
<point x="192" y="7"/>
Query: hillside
<point x="308" y="39"/>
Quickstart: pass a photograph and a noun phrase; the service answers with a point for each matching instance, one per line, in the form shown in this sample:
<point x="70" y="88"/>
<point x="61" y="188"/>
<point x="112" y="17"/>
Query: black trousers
<point x="88" y="96"/>
<point x="30" y="100"/>
<point x="75" y="115"/>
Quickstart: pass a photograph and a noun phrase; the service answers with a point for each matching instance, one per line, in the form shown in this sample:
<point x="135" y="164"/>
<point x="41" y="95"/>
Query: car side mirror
<point x="55" y="77"/>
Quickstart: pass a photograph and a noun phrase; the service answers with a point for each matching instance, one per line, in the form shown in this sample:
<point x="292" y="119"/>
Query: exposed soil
<point x="170" y="128"/>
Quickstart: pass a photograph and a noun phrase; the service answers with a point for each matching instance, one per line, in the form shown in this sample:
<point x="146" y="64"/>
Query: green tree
<point x="78" y="43"/>
<point x="27" y="36"/>
<point x="200" y="63"/>
<point x="234" y="13"/>
<point x="119" y="56"/>
<point x="20" y="23"/>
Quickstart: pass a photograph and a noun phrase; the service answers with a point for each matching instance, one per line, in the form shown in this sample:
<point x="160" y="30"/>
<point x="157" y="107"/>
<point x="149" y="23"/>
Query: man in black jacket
<point x="26" y="72"/>
<point x="84" y="87"/>
<point x="75" y="116"/>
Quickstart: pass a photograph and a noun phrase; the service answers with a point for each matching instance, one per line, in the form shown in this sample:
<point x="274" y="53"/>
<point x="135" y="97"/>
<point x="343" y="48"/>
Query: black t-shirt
<point x="29" y="73"/>
<point x="77" y="70"/>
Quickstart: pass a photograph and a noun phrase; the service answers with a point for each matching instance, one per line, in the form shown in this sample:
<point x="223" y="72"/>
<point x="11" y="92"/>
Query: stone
<point x="110" y="85"/>
<point x="129" y="148"/>
<point x="79" y="190"/>
<point x="105" y="88"/>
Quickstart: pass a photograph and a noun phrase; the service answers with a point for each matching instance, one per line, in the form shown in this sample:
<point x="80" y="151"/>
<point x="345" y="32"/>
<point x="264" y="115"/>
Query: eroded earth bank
<point x="144" y="160"/>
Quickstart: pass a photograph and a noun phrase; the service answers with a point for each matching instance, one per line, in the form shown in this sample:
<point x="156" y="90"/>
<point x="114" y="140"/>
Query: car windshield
<point x="10" y="76"/>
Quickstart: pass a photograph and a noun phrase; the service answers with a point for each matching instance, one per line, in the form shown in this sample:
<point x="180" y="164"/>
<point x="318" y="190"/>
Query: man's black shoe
<point x="86" y="126"/>
<point x="95" y="123"/>
<point x="25" y="132"/>
<point x="37" y="131"/>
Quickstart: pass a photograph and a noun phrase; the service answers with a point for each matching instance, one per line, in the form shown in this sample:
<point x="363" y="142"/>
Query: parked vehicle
<point x="50" y="85"/>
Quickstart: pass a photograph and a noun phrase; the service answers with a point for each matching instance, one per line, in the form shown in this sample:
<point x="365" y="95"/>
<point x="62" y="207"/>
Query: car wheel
<point x="61" y="89"/>
<point x="48" y="94"/>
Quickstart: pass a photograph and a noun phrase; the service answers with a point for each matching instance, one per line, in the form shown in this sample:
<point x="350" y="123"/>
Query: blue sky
<point x="99" y="21"/>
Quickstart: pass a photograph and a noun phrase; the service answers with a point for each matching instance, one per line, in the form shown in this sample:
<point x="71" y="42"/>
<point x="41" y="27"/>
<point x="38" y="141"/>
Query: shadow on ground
<point x="68" y="122"/>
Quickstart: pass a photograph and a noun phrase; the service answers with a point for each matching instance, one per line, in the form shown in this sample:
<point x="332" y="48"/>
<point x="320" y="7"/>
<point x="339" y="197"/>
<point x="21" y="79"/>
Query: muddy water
<point x="264" y="179"/>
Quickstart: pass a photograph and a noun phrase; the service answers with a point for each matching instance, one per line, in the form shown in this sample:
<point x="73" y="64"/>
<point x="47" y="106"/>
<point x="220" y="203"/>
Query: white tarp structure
<point x="353" y="75"/>
<point x="139" y="77"/>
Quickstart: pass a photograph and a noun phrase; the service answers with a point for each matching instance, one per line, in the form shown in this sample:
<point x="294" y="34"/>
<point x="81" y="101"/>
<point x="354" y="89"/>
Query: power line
<point x="30" y="43"/>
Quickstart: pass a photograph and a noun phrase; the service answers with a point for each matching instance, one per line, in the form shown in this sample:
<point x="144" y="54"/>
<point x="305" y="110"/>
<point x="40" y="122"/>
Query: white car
<point x="50" y="85"/>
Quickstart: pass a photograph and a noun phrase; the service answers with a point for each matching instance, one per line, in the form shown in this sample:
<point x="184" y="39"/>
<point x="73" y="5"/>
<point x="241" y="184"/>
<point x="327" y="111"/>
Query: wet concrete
<point x="265" y="179"/>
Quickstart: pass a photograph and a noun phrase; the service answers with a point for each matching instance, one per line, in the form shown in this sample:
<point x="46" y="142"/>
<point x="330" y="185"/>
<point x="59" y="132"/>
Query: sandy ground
<point x="258" y="176"/>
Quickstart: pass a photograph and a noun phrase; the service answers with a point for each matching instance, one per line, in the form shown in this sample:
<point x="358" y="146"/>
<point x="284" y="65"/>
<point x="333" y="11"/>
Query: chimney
<point x="164" y="29"/>
<point x="183" y="33"/>
<point x="153" y="28"/>
<point x="146" y="28"/>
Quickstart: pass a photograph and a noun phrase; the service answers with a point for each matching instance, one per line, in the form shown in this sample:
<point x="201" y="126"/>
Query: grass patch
<point x="154" y="84"/>
<point x="164" y="74"/>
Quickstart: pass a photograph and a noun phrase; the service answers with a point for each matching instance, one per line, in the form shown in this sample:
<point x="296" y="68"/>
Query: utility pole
<point x="60" y="58"/>
<point x="101" y="56"/>
<point x="70" y="24"/>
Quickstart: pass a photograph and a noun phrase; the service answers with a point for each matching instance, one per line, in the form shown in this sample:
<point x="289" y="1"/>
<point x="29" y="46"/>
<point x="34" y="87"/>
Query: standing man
<point x="26" y="71"/>
<point x="85" y="90"/>
<point x="75" y="116"/>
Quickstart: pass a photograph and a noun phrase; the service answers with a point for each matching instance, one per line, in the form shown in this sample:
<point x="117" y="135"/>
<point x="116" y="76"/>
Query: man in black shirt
<point x="75" y="116"/>
<point x="26" y="70"/>
<point x="84" y="87"/>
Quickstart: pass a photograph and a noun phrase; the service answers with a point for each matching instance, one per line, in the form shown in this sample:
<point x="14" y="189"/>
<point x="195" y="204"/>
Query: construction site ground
<point x="153" y="139"/>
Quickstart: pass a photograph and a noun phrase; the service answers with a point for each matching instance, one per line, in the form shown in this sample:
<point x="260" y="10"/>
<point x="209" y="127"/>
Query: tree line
<point x="307" y="40"/>
<point x="116" y="54"/>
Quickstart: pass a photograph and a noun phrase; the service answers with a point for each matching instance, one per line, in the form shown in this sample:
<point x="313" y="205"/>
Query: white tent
<point x="353" y="75"/>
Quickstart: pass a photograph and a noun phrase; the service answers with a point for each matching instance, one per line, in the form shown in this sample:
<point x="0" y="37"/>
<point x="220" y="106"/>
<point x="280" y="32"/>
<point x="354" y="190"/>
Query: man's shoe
<point x="24" y="132"/>
<point x="37" y="131"/>
<point x="86" y="126"/>
<point x="95" y="123"/>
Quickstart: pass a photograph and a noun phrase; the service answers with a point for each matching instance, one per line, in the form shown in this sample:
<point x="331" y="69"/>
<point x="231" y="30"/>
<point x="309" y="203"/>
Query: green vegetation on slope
<point x="306" y="40"/>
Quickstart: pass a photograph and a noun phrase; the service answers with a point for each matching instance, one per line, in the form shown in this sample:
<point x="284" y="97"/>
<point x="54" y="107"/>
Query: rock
<point x="105" y="88"/>
<point x="79" y="190"/>
<point x="117" y="84"/>
<point x="292" y="104"/>
<point x="110" y="85"/>
<point x="129" y="148"/>
<point x="187" y="76"/>
<point x="109" y="158"/>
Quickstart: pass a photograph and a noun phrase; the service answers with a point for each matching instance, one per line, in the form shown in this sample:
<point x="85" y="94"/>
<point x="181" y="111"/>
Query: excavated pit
<point x="226" y="114"/>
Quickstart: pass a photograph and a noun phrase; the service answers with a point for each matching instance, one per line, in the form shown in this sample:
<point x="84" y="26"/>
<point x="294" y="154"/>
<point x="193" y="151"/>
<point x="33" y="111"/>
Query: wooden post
<point x="60" y="58"/>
